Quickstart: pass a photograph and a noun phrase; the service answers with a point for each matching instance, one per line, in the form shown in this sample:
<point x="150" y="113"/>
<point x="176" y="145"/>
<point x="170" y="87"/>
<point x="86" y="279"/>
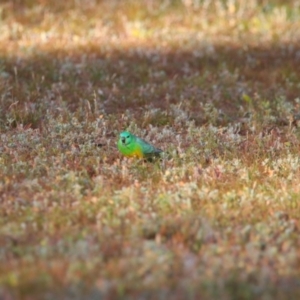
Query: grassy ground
<point x="216" y="84"/>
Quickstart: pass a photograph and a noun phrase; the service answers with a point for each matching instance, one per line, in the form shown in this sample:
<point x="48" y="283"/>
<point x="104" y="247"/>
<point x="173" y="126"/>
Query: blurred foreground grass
<point x="215" y="84"/>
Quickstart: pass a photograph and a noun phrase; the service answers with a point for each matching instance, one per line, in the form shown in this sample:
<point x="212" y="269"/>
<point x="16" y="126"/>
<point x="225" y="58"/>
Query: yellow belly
<point x="136" y="153"/>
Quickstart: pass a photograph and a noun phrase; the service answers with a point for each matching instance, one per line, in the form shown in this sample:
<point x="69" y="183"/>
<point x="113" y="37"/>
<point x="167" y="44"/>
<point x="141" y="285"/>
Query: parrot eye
<point x="128" y="136"/>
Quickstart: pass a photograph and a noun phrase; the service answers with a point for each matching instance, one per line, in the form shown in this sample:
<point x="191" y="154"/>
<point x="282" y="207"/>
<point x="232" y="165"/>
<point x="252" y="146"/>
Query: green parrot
<point x="132" y="146"/>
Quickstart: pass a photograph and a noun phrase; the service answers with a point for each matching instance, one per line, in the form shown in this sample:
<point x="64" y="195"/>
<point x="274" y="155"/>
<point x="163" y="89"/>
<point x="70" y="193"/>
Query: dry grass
<point x="216" y="84"/>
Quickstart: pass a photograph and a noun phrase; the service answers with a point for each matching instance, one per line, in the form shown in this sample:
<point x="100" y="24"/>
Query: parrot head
<point x="126" y="138"/>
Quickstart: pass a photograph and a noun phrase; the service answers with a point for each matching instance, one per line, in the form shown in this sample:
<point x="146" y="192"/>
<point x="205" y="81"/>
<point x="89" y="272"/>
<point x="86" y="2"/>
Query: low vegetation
<point x="215" y="84"/>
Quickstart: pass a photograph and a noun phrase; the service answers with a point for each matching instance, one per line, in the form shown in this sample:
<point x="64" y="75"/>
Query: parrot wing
<point x="147" y="148"/>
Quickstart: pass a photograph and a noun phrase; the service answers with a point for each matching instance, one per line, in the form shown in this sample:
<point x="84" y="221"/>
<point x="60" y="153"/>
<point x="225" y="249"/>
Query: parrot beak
<point x="123" y="140"/>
